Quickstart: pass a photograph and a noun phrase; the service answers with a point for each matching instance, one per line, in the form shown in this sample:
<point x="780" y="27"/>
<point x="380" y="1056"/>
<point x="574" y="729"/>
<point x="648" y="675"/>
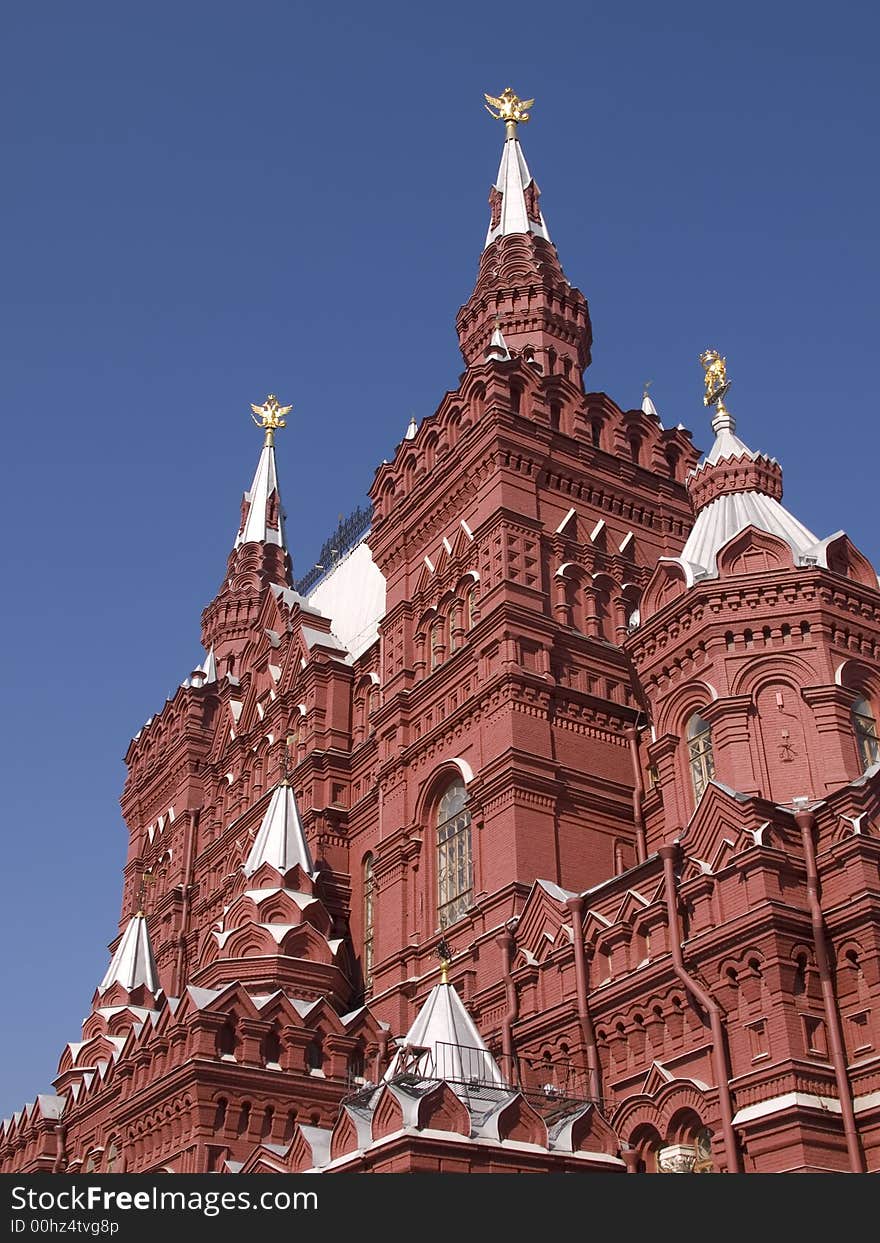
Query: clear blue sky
<point x="203" y="203"/>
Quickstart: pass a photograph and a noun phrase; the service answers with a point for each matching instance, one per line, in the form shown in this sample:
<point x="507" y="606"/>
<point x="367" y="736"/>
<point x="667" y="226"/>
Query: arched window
<point x="456" y="632"/>
<point x="455" y="873"/>
<point x="438" y="649"/>
<point x="865" y="728"/>
<point x="111" y="1157"/>
<point x="369" y="916"/>
<point x="272" y="1046"/>
<point x="471" y="606"/>
<point x="700" y="758"/>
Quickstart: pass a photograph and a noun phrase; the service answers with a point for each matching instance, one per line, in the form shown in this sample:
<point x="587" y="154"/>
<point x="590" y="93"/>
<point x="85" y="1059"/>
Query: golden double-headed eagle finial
<point x="510" y="108"/>
<point x="270" y="416"/>
<point x="715" y="379"/>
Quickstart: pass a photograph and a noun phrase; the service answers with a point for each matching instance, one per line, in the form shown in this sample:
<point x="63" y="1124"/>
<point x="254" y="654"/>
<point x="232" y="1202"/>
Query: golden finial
<point x="715" y="379"/>
<point x="271" y="417"/>
<point x="511" y="109"/>
<point x="444" y="953"/>
<point x="147" y="878"/>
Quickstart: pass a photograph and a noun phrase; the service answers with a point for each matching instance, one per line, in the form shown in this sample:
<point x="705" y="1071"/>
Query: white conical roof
<point x="649" y="408"/>
<point x="512" y="180"/>
<point x="133" y="963"/>
<point x="281" y="841"/>
<point x="256" y="529"/>
<point x="454" y="1048"/>
<point x="412" y="428"/>
<point x="497" y="347"/>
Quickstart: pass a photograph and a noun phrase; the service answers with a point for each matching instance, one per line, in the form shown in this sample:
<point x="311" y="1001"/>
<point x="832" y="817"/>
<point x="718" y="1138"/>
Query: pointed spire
<point x="648" y="406"/>
<point x="204" y="673"/>
<point x="445" y="1041"/>
<point x="520" y="278"/>
<point x="209" y="667"/>
<point x="259" y="558"/>
<point x="515" y="196"/>
<point x="412" y="429"/>
<point x="281" y="840"/>
<point x="262" y="520"/>
<point x="133" y="963"/>
<point x="497" y="350"/>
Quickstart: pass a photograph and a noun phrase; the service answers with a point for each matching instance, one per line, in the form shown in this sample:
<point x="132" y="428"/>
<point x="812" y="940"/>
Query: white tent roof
<point x="453" y="1046"/>
<point x="512" y="180"/>
<point x="133" y="963"/>
<point x="281" y="840"/>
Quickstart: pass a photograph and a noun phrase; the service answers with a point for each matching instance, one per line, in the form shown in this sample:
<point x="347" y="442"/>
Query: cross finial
<point x="271" y="417"/>
<point x="287" y="765"/>
<point x="444" y="953"/>
<point x="147" y="878"/>
<point x="511" y="109"/>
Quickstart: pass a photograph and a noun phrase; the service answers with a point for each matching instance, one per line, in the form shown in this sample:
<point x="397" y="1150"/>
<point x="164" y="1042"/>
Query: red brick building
<point x="593" y="715"/>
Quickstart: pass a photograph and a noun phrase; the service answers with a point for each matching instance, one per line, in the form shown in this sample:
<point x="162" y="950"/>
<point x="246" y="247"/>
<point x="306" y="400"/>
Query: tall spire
<point x="262" y="520"/>
<point x="515" y="196"/>
<point x="521" y="281"/>
<point x="133" y="963"/>
<point x="259" y="557"/>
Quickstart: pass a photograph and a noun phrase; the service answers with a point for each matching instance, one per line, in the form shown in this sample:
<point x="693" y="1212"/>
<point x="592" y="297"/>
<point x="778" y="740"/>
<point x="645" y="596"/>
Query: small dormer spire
<point x="648" y="406"/>
<point x="496" y="350"/>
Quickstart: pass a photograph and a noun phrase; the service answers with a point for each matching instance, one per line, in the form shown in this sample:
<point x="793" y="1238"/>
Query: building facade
<point x="538" y="831"/>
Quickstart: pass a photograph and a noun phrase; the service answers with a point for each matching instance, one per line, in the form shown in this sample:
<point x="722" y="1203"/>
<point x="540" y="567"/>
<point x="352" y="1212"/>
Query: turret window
<point x="455" y="873"/>
<point x="700" y="757"/>
<point x="865" y="728"/>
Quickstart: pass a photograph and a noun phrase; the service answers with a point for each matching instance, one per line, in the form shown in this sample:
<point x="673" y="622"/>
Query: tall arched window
<point x="369" y="917"/>
<point x="865" y="728"/>
<point x="455" y="873"/>
<point x="700" y="758"/>
<point x="471" y="606"/>
<point x="438" y="646"/>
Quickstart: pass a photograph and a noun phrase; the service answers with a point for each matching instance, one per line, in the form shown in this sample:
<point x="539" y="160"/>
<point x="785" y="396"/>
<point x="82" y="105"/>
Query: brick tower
<point x="535" y="830"/>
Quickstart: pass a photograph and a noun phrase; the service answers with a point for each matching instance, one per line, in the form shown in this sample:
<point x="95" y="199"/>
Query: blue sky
<point x="203" y="203"/>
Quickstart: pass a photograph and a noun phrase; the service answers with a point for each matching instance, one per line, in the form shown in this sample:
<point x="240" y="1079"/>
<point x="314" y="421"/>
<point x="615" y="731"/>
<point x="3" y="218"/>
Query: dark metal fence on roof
<point x="348" y="533"/>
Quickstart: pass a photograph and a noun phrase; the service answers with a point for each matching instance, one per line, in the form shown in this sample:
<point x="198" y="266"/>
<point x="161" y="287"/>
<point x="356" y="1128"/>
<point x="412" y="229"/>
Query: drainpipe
<point x="594" y="1073"/>
<point x="184" y="915"/>
<point x="60" y="1163"/>
<point x="382" y="1054"/>
<point x="638" y="794"/>
<point x="806" y="822"/>
<point x="668" y="854"/>
<point x="507" y="944"/>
